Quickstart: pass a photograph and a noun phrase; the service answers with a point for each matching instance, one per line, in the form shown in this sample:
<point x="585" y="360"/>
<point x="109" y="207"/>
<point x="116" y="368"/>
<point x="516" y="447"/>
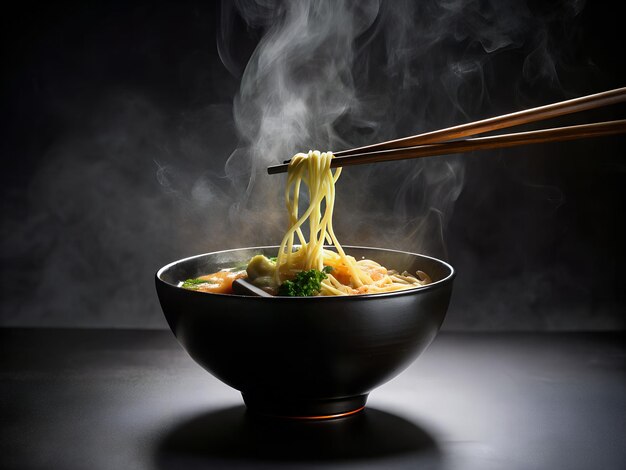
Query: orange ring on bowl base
<point x="338" y="415"/>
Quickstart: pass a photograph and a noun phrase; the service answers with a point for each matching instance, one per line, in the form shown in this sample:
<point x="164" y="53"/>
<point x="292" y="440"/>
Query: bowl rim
<point x="319" y="298"/>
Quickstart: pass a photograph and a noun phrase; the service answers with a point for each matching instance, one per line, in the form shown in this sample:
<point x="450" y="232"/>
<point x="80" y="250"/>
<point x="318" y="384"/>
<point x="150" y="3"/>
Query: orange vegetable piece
<point x="220" y="282"/>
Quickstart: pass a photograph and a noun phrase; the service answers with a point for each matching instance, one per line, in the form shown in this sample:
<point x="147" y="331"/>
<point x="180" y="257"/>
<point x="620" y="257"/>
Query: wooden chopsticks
<point x="440" y="142"/>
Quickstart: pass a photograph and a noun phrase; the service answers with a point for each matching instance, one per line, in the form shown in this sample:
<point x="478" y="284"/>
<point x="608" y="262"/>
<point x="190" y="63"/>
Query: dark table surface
<point x="122" y="399"/>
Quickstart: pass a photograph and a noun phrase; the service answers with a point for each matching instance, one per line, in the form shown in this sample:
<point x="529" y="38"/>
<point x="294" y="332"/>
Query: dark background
<point x="118" y="123"/>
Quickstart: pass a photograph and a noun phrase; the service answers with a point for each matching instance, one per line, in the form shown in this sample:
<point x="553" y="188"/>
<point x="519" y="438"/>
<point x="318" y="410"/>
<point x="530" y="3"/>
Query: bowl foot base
<point x="285" y="407"/>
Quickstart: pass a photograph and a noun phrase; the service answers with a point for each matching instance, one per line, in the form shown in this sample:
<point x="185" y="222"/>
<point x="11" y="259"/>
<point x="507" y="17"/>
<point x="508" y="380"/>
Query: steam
<point x="297" y="84"/>
<point x="134" y="183"/>
<point x="330" y="75"/>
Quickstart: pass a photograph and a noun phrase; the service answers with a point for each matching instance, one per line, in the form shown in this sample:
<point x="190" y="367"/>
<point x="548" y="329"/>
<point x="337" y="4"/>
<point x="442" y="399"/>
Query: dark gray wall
<point x="122" y="149"/>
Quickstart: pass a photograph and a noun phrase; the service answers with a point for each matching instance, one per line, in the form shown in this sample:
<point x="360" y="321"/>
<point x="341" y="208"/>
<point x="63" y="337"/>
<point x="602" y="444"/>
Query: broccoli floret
<point x="305" y="284"/>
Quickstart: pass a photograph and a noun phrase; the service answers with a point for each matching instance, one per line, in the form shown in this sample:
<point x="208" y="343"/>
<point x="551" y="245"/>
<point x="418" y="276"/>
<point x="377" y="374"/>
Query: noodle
<point x="348" y="276"/>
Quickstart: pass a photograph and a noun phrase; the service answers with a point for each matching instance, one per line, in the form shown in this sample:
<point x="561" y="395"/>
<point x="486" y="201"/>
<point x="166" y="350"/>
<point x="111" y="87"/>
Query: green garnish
<point x="305" y="284"/>
<point x="193" y="283"/>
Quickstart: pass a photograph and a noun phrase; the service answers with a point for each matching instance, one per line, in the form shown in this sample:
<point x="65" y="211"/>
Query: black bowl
<point x="305" y="356"/>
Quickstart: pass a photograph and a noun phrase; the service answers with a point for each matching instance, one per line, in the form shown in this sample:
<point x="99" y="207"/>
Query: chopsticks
<point x="558" y="134"/>
<point x="440" y="142"/>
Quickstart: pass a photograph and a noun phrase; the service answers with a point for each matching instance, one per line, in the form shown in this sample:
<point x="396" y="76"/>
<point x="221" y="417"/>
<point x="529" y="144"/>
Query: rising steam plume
<point x="330" y="75"/>
<point x="133" y="184"/>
